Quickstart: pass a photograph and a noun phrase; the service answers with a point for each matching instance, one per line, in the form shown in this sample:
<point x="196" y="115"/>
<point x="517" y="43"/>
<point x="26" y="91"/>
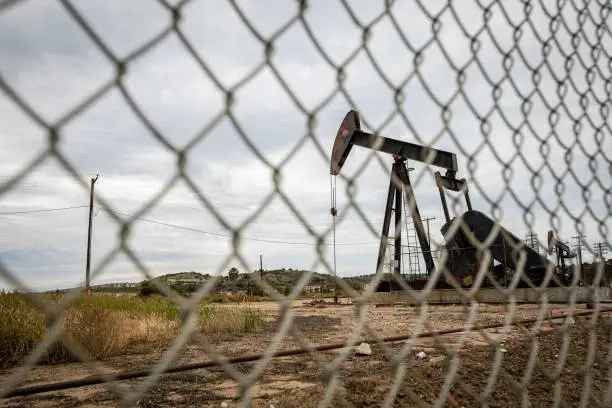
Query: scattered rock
<point x="452" y="401"/>
<point x="437" y="359"/>
<point x="364" y="349"/>
<point x="421" y="355"/>
<point x="224" y="404"/>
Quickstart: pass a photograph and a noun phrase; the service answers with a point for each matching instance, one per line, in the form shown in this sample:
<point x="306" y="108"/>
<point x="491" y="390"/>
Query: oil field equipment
<point x="462" y="258"/>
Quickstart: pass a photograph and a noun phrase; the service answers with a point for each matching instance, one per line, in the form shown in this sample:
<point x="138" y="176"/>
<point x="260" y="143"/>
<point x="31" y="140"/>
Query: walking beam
<point x="350" y="134"/>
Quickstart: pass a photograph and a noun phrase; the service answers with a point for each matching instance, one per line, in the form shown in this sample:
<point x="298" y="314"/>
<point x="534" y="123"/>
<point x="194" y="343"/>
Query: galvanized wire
<point x="585" y="103"/>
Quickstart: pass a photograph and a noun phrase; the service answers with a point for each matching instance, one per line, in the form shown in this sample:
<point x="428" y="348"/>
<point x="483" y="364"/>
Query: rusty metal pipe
<point x="93" y="380"/>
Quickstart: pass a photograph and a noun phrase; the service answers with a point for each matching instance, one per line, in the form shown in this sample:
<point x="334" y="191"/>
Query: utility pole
<point x="427" y="221"/>
<point x="578" y="247"/>
<point x="87" y="268"/>
<point x="428" y="235"/>
<point x="602" y="249"/>
<point x="261" y="266"/>
<point x="532" y="241"/>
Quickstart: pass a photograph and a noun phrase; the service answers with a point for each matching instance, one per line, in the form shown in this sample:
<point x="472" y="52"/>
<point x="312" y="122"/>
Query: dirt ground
<point x="522" y="366"/>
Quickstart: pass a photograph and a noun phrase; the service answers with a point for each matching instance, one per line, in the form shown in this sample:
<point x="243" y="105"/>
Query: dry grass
<point x="105" y="325"/>
<point x="236" y="298"/>
<point x="114" y="330"/>
<point x="229" y="320"/>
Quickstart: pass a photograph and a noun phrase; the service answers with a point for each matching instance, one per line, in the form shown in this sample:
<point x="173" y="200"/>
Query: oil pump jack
<point x="462" y="259"/>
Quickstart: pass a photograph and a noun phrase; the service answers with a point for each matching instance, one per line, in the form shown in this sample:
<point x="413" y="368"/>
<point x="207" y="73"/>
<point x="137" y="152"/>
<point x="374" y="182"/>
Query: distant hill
<point x="283" y="280"/>
<point x="184" y="277"/>
<point x="291" y="277"/>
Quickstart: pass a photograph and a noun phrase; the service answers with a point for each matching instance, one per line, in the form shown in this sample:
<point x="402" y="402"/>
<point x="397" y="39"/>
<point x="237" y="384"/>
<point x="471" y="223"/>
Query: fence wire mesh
<point x="539" y="125"/>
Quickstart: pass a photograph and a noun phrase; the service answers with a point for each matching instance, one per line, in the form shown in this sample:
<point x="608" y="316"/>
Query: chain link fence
<point x="538" y="125"/>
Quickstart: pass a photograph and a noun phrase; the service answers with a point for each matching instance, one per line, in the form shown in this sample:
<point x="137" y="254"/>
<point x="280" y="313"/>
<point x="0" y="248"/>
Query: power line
<point x="578" y="247"/>
<point x="42" y="210"/>
<point x="194" y="208"/>
<point x="188" y="228"/>
<point x="229" y="235"/>
<point x="284" y="218"/>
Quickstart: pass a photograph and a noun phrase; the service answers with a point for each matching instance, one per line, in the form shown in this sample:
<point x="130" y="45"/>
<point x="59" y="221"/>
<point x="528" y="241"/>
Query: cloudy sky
<point x="507" y="85"/>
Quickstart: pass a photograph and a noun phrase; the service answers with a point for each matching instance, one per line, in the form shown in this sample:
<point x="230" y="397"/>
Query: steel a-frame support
<point x="399" y="184"/>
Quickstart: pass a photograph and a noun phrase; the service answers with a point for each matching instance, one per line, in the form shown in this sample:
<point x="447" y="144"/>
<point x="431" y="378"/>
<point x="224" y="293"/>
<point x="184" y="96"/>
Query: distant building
<point x="313" y="289"/>
<point x="117" y="285"/>
<point x="183" y="280"/>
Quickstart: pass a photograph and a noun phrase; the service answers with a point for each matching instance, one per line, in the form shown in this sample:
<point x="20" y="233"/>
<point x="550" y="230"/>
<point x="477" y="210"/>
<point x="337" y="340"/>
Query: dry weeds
<point x="106" y="326"/>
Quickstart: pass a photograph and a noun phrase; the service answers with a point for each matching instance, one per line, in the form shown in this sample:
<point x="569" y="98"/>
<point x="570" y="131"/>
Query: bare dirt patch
<point x="364" y="381"/>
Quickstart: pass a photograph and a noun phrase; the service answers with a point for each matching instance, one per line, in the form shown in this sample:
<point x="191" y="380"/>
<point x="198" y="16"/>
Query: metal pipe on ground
<point x="94" y="380"/>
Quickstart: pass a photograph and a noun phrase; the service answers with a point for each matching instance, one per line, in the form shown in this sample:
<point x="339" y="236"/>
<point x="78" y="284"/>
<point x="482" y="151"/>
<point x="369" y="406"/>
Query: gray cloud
<point x="49" y="61"/>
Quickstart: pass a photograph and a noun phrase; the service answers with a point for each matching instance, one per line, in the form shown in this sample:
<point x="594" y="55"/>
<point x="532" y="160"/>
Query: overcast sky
<point x="49" y="61"/>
